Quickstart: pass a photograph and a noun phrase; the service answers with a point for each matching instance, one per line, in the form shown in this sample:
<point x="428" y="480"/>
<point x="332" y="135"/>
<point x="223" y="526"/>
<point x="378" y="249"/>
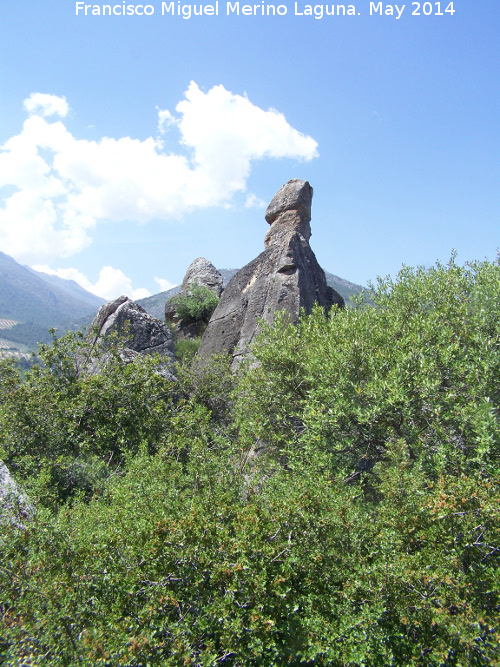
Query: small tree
<point x="196" y="303"/>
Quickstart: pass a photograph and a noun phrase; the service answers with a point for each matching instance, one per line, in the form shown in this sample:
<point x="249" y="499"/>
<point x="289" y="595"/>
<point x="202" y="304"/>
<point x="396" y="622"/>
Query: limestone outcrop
<point x="142" y="334"/>
<point x="201" y="272"/>
<point x="286" y="276"/>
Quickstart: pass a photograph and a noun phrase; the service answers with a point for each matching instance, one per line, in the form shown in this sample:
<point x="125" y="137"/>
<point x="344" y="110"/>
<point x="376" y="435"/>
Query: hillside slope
<point x="29" y="296"/>
<point x="32" y="302"/>
<point x="70" y="287"/>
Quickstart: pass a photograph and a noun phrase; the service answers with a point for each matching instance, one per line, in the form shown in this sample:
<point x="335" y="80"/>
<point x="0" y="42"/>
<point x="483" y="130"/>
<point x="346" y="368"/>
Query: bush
<point x="368" y="532"/>
<point x="422" y="366"/>
<point x="196" y="303"/>
<point x="174" y="565"/>
<point x="60" y="432"/>
<point x="186" y="349"/>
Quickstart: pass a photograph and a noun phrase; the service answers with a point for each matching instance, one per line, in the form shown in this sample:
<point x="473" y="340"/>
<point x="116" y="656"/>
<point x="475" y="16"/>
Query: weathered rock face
<point x="202" y="272"/>
<point x="15" y="507"/>
<point x="143" y="333"/>
<point x="286" y="276"/>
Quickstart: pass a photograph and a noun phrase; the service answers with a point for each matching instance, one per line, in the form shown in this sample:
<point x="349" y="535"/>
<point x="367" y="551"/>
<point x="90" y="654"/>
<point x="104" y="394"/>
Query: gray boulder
<point x="203" y="272"/>
<point x="15" y="507"/>
<point x="142" y="334"/>
<point x="286" y="276"/>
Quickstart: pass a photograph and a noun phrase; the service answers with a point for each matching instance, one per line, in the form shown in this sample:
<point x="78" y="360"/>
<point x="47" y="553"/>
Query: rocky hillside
<point x="32" y="302"/>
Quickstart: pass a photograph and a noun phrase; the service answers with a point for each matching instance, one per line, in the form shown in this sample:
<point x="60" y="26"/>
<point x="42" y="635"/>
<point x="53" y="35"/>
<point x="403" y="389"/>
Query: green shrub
<point x="196" y="303"/>
<point x="59" y="432"/>
<point x="421" y="366"/>
<point x="186" y="349"/>
<point x="366" y="534"/>
<point x="174" y="565"/>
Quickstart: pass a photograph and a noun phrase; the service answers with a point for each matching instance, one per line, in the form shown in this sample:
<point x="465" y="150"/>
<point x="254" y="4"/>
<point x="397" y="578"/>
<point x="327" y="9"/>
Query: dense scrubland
<point x="336" y="502"/>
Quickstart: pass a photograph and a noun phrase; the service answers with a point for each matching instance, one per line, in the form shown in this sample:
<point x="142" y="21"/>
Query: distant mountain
<point x="70" y="287"/>
<point x="31" y="296"/>
<point x="155" y="305"/>
<point x="32" y="302"/>
<point x="345" y="288"/>
<point x="227" y="274"/>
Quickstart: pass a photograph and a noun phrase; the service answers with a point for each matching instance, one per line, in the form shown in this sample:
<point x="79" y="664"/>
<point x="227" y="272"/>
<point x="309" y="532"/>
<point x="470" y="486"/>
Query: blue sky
<point x="133" y="144"/>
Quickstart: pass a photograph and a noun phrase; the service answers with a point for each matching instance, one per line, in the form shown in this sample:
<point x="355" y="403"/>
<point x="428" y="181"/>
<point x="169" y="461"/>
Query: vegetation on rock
<point x="196" y="303"/>
<point x="366" y="532"/>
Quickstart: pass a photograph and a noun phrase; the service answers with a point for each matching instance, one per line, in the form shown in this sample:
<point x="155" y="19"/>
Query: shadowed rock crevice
<point x="285" y="276"/>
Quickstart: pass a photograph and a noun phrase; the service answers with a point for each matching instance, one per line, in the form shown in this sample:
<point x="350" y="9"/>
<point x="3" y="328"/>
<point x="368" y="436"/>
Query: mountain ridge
<point x="31" y="296"/>
<point x="33" y="302"/>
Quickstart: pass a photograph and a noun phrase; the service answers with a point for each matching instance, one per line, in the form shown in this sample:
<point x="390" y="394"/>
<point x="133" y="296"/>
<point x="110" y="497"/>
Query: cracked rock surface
<point x="142" y="334"/>
<point x="286" y="276"/>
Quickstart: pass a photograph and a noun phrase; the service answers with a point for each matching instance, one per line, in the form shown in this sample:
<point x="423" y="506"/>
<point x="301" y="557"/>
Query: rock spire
<point x="286" y="276"/>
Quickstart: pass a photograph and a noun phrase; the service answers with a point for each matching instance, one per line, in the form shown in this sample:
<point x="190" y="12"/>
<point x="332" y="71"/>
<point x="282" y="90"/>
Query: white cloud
<point x="165" y="119"/>
<point x="164" y="284"/>
<point x="139" y="293"/>
<point x="111" y="283"/>
<point x="66" y="186"/>
<point x="253" y="201"/>
<point x="46" y="105"/>
<point x="227" y="132"/>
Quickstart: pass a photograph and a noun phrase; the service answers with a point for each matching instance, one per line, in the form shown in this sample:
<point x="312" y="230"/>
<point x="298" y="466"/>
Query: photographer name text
<point x="236" y="8"/>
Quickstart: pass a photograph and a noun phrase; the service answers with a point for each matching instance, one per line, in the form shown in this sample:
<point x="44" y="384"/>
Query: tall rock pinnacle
<point x="286" y="276"/>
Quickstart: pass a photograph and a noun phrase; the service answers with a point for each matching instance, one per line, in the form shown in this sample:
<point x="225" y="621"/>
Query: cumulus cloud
<point x="46" y="105"/>
<point x="111" y="283"/>
<point x="164" y="284"/>
<point x="165" y="119"/>
<point x="252" y="201"/>
<point x="64" y="186"/>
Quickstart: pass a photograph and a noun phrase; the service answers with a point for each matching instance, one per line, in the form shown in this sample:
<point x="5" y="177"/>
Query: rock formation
<point x="143" y="334"/>
<point x="286" y="276"/>
<point x="202" y="272"/>
<point x="15" y="507"/>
